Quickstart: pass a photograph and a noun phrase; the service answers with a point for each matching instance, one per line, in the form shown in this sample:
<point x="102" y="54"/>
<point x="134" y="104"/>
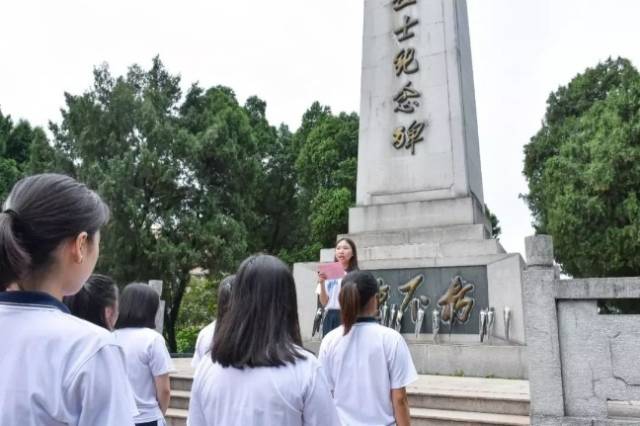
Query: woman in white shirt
<point x="329" y="289"/>
<point x="258" y="373"/>
<point x="148" y="360"/>
<point x="56" y="369"/>
<point x="205" y="337"/>
<point x="368" y="366"/>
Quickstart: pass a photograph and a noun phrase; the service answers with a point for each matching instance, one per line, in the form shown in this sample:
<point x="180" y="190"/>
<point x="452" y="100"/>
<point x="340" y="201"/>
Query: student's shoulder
<point x="209" y="328"/>
<point x="151" y="336"/>
<point x="389" y="335"/>
<point x="332" y="337"/>
<point x="79" y="329"/>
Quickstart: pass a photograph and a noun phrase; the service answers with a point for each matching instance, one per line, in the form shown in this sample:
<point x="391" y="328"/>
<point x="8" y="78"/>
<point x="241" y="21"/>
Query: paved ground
<point x="516" y="389"/>
<point x="510" y="389"/>
<point x="183" y="366"/>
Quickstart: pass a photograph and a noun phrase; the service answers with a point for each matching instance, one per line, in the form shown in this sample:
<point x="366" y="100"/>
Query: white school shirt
<point x="362" y="368"/>
<point x="333" y="290"/>
<point x="291" y="395"/>
<point x="203" y="343"/>
<point x="147" y="357"/>
<point x="57" y="369"/>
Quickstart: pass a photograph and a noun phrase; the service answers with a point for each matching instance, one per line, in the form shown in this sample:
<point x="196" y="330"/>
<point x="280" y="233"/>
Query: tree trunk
<point x="171" y="315"/>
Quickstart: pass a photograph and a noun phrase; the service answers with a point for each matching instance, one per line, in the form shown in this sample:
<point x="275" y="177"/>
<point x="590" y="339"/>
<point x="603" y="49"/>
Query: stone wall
<point x="583" y="366"/>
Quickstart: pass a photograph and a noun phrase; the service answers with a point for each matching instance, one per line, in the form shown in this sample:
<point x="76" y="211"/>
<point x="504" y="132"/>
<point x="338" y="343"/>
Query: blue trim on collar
<point x="32" y="298"/>
<point x="366" y="319"/>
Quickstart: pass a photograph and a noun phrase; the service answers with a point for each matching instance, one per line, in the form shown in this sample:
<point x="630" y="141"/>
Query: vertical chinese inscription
<point x="407" y="99"/>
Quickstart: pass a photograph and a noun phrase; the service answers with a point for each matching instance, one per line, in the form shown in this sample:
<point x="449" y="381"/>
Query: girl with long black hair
<point x="258" y="372"/>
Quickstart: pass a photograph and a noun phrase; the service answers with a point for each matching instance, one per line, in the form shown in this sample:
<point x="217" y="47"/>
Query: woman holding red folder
<point x="328" y="288"/>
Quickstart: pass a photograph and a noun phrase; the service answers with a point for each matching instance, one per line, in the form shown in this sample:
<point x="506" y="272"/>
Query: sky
<point x="293" y="52"/>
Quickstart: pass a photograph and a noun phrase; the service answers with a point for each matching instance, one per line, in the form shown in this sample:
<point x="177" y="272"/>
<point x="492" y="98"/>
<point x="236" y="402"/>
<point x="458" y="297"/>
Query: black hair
<point x="224" y="296"/>
<point x="98" y="293"/>
<point x="358" y="288"/>
<point x="261" y="327"/>
<point x="353" y="262"/>
<point x="138" y="306"/>
<point x="40" y="212"/>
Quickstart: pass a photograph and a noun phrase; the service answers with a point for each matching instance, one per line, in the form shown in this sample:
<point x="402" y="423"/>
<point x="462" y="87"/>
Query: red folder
<point x="332" y="270"/>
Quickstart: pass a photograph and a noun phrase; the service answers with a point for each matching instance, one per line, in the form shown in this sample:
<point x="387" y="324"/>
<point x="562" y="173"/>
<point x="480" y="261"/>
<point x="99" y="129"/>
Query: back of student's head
<point x="224" y="295"/>
<point x="358" y="288"/>
<point x="138" y="306"/>
<point x="96" y="301"/>
<point x="260" y="328"/>
<point x="40" y="213"/>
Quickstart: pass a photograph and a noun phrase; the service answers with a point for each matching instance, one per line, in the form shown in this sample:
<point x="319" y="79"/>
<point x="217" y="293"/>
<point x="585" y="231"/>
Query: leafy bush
<point x="186" y="338"/>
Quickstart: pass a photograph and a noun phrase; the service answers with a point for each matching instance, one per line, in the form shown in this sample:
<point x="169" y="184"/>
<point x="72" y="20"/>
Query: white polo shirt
<point x="56" y="369"/>
<point x="203" y="343"/>
<point x="292" y="395"/>
<point x="147" y="357"/>
<point x="333" y="287"/>
<point x="362" y="368"/>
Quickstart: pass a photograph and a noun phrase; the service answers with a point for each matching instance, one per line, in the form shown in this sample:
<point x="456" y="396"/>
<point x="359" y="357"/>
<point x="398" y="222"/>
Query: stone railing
<point x="584" y="366"/>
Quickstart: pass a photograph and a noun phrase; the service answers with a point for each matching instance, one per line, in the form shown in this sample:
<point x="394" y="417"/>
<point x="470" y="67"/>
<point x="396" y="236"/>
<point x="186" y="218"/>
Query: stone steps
<point x="176" y="417"/>
<point x="434" y="417"/>
<point x="180" y="399"/>
<point x="434" y="400"/>
<point x="463" y="248"/>
<point x="418" y="235"/>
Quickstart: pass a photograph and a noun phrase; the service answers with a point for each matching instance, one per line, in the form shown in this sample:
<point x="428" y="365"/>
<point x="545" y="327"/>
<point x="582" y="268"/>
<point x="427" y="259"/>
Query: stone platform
<point x="434" y="400"/>
<point x="462" y="355"/>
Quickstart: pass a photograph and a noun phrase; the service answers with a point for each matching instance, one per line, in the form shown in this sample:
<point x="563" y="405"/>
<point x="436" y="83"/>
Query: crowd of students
<point x="106" y="364"/>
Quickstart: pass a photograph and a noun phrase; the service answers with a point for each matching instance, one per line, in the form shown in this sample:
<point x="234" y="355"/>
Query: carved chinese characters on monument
<point x="401" y="4"/>
<point x="408" y="138"/>
<point x="455" y="303"/>
<point x="406" y="99"/>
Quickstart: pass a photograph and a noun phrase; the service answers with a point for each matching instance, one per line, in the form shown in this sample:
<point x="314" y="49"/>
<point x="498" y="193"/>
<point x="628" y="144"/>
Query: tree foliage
<point x="193" y="179"/>
<point x="23" y="150"/>
<point x="171" y="172"/>
<point x="583" y="168"/>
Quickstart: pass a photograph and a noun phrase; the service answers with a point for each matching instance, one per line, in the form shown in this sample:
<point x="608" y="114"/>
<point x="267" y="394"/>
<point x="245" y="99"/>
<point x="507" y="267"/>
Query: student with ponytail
<point x="56" y="369"/>
<point x="368" y="366"/>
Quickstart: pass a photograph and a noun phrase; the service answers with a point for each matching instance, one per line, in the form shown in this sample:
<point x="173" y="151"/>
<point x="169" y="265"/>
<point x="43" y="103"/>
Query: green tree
<point x="23" y="149"/>
<point x="326" y="148"/>
<point x="496" y="230"/>
<point x="167" y="171"/>
<point x="583" y="168"/>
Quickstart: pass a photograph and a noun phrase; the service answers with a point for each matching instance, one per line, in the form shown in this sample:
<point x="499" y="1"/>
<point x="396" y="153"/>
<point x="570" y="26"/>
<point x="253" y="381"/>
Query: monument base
<point x="417" y="214"/>
<point x="436" y="256"/>
<point x="462" y="355"/>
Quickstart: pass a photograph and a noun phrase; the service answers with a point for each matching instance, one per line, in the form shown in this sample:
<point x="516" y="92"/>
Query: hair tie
<point x="11" y="213"/>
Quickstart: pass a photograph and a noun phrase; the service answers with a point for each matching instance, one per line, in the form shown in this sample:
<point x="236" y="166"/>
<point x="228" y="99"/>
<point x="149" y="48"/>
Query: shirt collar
<point x="366" y="319"/>
<point x="32" y="298"/>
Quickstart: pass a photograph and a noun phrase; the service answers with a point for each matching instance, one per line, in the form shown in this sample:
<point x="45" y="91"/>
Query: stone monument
<point x="419" y="221"/>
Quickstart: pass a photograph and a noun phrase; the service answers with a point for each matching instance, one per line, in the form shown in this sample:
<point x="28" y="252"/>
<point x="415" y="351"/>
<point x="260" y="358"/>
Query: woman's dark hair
<point x="353" y="262"/>
<point x="40" y="212"/>
<point x="261" y="327"/>
<point x="358" y="288"/>
<point x="138" y="306"/>
<point x="224" y="296"/>
<point x="98" y="293"/>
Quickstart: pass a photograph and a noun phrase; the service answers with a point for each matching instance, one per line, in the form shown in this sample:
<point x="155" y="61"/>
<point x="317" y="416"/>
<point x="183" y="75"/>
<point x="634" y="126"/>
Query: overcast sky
<point x="292" y="52"/>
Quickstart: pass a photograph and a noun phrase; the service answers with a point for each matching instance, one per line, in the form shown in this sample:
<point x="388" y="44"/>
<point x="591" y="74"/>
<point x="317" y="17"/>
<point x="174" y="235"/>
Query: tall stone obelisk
<point x="418" y="154"/>
<point x="419" y="222"/>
